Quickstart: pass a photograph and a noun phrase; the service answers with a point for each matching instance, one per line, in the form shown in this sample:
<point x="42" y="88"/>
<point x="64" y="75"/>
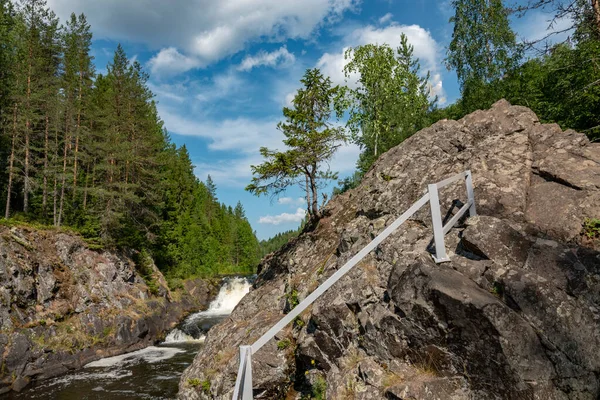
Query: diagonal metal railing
<point x="243" y="384"/>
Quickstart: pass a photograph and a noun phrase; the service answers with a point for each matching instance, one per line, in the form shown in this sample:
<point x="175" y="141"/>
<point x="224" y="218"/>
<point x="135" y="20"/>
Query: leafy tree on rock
<point x="391" y="100"/>
<point x="483" y="47"/>
<point x="311" y="141"/>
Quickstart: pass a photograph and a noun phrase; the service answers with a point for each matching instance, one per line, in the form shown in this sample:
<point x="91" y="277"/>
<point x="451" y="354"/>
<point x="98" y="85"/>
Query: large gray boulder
<point x="514" y="315"/>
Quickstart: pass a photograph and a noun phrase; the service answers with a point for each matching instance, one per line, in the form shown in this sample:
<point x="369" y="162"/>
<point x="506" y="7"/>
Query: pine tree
<point x="39" y="21"/>
<point x="8" y="107"/>
<point x="212" y="196"/>
<point x="245" y="242"/>
<point x="79" y="71"/>
<point x="49" y="86"/>
<point x="312" y="142"/>
<point x="115" y="147"/>
<point x="7" y="38"/>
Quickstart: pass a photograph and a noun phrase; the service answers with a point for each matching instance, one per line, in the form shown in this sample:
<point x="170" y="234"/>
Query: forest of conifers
<point x="89" y="152"/>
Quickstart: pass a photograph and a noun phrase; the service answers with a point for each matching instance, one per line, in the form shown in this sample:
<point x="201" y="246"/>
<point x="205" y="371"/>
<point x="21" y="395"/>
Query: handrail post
<point x="438" y="228"/>
<point x="243" y="383"/>
<point x="470" y="194"/>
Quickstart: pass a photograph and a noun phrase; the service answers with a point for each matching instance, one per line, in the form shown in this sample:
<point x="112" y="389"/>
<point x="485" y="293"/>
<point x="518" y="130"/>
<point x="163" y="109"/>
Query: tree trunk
<point x="307" y="196"/>
<point x="45" y="188"/>
<point x="55" y="201"/>
<point x="87" y="177"/>
<point x="77" y="131"/>
<point x="75" y="159"/>
<point x="85" y="193"/>
<point x="11" y="164"/>
<point x="596" y="8"/>
<point x="376" y="129"/>
<point x="376" y="140"/>
<point x="27" y="126"/>
<point x="64" y="172"/>
<point x="55" y="189"/>
<point x="313" y="187"/>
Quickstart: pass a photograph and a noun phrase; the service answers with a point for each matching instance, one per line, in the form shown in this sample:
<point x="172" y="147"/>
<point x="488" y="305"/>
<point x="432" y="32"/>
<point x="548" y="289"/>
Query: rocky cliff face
<point x="63" y="305"/>
<point x="514" y="315"/>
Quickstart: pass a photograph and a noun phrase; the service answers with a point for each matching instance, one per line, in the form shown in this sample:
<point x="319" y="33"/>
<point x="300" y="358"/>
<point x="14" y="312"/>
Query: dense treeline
<point x="562" y="84"/>
<point x="89" y="151"/>
<point x="276" y="242"/>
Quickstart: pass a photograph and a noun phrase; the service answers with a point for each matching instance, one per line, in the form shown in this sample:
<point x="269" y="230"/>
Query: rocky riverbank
<point x="514" y="315"/>
<point x="63" y="304"/>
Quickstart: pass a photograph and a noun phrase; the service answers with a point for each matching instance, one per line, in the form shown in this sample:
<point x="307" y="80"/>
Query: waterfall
<point x="195" y="326"/>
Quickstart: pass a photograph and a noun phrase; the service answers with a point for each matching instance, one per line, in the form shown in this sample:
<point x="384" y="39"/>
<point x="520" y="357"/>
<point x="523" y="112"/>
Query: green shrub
<point x="193" y="382"/>
<point x="107" y="331"/>
<point x="175" y="283"/>
<point x="319" y="388"/>
<point x="386" y="177"/>
<point x="206" y="386"/>
<point x="283" y="344"/>
<point x="591" y="228"/>
<point x="298" y="322"/>
<point x="143" y="264"/>
<point x="497" y="289"/>
<point x="292" y="298"/>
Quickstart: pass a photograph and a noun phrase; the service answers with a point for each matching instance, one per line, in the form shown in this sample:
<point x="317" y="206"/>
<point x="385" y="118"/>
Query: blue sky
<point x="223" y="69"/>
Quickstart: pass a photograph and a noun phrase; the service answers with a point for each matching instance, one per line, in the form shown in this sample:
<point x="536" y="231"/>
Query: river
<point x="151" y="373"/>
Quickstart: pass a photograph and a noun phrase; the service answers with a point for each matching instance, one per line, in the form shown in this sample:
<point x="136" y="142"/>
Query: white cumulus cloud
<point x="291" y="201"/>
<point x="169" y="61"/>
<point x="194" y="33"/>
<point x="283" y="218"/>
<point x="386" y="18"/>
<point x="244" y="135"/>
<point x="278" y="57"/>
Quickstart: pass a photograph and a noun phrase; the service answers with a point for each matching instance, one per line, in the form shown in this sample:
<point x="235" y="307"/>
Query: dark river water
<point x="150" y="373"/>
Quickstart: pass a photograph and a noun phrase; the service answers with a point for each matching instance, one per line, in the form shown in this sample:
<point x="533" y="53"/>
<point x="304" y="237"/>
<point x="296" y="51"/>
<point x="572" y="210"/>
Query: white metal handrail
<point x="243" y="383"/>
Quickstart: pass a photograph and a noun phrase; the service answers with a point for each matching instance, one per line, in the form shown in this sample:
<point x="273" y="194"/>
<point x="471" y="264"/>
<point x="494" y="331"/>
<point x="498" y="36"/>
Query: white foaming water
<point x="144" y="373"/>
<point x="231" y="293"/>
<point x="86" y="376"/>
<point x="229" y="296"/>
<point x="150" y="355"/>
<point x="178" y="336"/>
